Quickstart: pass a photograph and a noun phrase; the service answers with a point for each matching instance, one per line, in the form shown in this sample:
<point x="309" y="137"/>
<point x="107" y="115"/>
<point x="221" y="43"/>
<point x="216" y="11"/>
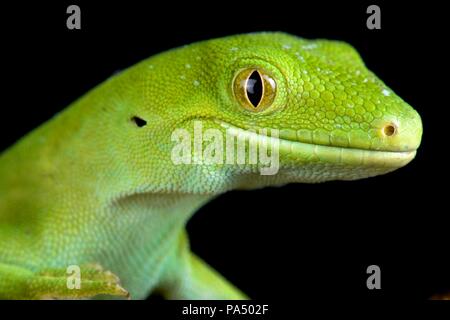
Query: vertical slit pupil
<point x="254" y="88"/>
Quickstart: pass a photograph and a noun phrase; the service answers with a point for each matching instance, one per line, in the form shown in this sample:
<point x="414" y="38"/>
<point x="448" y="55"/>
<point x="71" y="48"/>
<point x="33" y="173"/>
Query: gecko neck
<point x="143" y="229"/>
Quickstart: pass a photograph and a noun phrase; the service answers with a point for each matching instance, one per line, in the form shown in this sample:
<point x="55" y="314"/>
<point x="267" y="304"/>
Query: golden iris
<point x="254" y="89"/>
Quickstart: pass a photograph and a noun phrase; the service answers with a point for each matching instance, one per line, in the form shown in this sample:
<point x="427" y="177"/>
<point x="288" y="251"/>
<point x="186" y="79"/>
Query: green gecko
<point x="97" y="187"/>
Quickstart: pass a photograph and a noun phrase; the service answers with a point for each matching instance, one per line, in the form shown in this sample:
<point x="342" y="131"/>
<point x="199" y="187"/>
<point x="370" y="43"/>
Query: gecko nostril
<point x="389" y="130"/>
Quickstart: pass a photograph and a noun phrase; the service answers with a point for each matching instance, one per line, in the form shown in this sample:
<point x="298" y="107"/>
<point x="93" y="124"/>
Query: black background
<point x="299" y="241"/>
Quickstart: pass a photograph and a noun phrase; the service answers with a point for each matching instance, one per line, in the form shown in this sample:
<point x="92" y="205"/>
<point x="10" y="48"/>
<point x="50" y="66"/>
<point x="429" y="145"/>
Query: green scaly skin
<point x="91" y="188"/>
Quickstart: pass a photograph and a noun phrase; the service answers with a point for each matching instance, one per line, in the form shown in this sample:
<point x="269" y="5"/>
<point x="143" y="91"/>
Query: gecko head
<point x="313" y="103"/>
<point x="333" y="118"/>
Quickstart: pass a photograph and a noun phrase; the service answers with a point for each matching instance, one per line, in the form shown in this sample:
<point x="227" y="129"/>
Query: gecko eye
<point x="254" y="89"/>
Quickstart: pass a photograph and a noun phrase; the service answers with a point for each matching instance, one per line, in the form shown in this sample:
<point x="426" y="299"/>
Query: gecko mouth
<point x="310" y="153"/>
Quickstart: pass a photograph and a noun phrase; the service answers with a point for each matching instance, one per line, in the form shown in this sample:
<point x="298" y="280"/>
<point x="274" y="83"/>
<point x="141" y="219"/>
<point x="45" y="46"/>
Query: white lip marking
<point x="337" y="155"/>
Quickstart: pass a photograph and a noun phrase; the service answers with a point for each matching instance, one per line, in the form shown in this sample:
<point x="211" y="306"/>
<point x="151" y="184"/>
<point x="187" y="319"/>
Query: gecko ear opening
<point x="139" y="121"/>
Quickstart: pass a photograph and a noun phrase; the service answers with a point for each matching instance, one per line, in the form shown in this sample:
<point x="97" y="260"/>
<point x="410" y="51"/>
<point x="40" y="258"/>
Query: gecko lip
<point x="310" y="153"/>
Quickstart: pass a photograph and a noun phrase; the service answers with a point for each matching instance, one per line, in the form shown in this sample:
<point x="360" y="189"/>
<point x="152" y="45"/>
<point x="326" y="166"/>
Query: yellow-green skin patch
<point x="91" y="187"/>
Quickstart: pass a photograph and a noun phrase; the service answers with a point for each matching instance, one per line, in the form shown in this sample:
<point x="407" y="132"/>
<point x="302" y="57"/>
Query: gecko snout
<point x="401" y="134"/>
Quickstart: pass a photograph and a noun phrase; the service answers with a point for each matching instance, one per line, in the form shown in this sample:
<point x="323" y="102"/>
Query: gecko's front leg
<point x="55" y="283"/>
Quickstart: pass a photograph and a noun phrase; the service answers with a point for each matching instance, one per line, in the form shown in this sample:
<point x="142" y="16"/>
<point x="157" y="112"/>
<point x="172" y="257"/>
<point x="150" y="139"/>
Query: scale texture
<point x="96" y="186"/>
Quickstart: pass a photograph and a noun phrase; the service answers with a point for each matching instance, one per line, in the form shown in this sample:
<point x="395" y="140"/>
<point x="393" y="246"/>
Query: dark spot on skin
<point x="139" y="121"/>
